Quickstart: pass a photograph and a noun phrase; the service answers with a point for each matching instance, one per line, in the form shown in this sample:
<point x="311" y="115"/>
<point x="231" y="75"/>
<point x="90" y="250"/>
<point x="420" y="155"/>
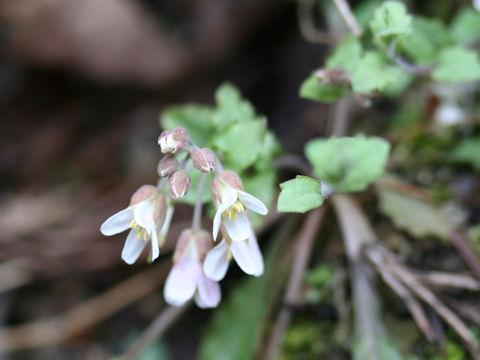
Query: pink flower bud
<point x="179" y="183"/>
<point x="145" y="192"/>
<point x="167" y="165"/>
<point x="172" y="142"/>
<point x="203" y="160"/>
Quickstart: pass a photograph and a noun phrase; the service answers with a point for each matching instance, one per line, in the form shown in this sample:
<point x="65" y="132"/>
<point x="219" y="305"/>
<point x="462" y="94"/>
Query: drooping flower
<point x="246" y="254"/>
<point x="231" y="201"/>
<point x="148" y="216"/>
<point x="172" y="142"/>
<point x="186" y="279"/>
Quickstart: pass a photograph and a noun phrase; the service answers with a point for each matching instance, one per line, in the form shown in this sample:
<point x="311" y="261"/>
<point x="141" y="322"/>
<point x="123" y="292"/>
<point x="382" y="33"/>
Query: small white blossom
<point x="246" y="254"/>
<point x="148" y="216"/>
<point x="186" y="279"/>
<point x="231" y="201"/>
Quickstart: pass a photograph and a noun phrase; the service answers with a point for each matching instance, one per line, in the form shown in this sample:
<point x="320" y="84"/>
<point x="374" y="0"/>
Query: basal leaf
<point x="231" y="107"/>
<point x="241" y="144"/>
<point x="456" y="64"/>
<point x="346" y="55"/>
<point x="348" y="163"/>
<point x="465" y="27"/>
<point x="374" y="73"/>
<point x="300" y="195"/>
<point x="467" y="151"/>
<point x="391" y="19"/>
<point x="313" y="89"/>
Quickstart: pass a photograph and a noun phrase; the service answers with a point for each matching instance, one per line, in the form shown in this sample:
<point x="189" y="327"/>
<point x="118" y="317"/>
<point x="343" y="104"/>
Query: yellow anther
<point x="141" y="232"/>
<point x="230" y="255"/>
<point x="232" y="212"/>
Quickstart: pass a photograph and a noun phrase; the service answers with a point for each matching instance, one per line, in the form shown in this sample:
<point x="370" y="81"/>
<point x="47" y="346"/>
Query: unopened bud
<point x="167" y="165"/>
<point x="203" y="160"/>
<point x="143" y="193"/>
<point x="179" y="183"/>
<point x="172" y="142"/>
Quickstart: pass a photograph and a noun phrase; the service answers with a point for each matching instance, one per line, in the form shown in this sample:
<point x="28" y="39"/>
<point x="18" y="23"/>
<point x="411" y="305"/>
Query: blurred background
<point x="82" y="84"/>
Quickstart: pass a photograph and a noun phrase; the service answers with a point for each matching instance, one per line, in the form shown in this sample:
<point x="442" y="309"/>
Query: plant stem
<point x="305" y="242"/>
<point x="161" y="323"/>
<point x="197" y="212"/>
<point x="349" y="17"/>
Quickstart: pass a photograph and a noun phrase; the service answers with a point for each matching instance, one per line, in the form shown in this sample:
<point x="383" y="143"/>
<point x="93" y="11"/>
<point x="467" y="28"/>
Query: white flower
<point x="148" y="216"/>
<point x="186" y="279"/>
<point x="246" y="254"/>
<point x="231" y="201"/>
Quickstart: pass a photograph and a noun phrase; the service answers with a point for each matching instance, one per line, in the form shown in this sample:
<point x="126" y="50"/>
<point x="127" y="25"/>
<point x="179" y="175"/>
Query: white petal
<point x="143" y="214"/>
<point x="252" y="203"/>
<point x="216" y="262"/>
<point x="155" y="247"/>
<point x="229" y="196"/>
<point x="168" y="219"/>
<point x="248" y="256"/>
<point x="208" y="293"/>
<point x="133" y="247"/>
<point x="238" y="229"/>
<point x="117" y="222"/>
<point x="180" y="285"/>
<point x="216" y="224"/>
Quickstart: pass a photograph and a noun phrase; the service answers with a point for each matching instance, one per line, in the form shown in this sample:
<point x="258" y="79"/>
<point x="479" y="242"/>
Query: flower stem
<point x="197" y="212"/>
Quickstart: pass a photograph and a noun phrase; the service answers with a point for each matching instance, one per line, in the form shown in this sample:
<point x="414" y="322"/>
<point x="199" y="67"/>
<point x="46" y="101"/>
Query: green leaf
<point x="365" y="10"/>
<point x="348" y="163"/>
<point x="425" y="41"/>
<point x="465" y="28"/>
<point x="416" y="216"/>
<point x="391" y="19"/>
<point x="313" y="89"/>
<point x="467" y="151"/>
<point x="346" y="55"/>
<point x="299" y="195"/>
<point x="240" y="144"/>
<point x="231" y="107"/>
<point x="374" y="73"/>
<point x="456" y="64"/>
<point x="197" y="119"/>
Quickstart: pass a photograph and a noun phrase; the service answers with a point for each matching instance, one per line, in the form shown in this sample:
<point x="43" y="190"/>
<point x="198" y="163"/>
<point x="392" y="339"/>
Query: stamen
<point x="141" y="232"/>
<point x="232" y="212"/>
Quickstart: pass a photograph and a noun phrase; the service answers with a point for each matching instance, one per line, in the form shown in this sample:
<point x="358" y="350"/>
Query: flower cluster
<point x="198" y="265"/>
